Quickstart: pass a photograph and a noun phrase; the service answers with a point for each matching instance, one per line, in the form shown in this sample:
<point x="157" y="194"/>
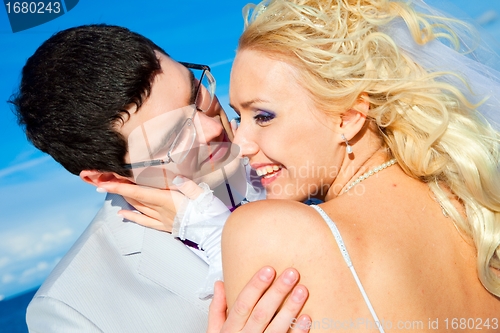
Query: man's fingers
<point x="301" y="325"/>
<point x="187" y="187"/>
<point x="273" y="299"/>
<point x="286" y="318"/>
<point x="248" y="297"/>
<point x="217" y="309"/>
<point x="262" y="306"/>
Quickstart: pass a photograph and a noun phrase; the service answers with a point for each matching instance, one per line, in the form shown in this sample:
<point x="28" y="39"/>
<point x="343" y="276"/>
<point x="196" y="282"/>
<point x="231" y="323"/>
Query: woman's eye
<point x="262" y="117"/>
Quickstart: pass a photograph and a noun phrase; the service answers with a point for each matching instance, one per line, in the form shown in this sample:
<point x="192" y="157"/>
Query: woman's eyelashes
<point x="261" y="117"/>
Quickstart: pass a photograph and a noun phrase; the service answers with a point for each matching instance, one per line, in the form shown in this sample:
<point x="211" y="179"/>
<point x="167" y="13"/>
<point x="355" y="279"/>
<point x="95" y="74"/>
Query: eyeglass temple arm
<point x="145" y="164"/>
<point x="195" y="66"/>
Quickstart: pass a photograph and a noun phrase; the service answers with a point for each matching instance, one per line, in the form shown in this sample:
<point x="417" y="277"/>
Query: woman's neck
<point x="369" y="153"/>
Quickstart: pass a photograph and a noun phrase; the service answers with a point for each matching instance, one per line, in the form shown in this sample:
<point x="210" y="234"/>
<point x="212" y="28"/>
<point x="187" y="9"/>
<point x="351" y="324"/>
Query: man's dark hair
<point x="76" y="87"/>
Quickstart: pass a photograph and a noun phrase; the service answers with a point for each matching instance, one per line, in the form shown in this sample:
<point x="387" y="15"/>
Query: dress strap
<point x="347" y="258"/>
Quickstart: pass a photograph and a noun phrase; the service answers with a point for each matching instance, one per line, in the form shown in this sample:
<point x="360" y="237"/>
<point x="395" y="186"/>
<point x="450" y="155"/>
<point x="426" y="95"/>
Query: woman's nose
<point x="244" y="139"/>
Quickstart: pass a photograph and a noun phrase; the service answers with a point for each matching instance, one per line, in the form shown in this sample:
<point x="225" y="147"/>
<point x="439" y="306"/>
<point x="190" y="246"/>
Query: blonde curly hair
<point x="342" y="50"/>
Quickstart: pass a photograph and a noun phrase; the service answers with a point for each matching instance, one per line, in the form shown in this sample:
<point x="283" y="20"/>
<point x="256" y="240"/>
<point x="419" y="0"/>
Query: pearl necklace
<point x="371" y="173"/>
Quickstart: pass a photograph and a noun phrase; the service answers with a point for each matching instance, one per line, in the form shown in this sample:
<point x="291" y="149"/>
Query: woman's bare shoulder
<point x="284" y="234"/>
<point x="269" y="217"/>
<point x="269" y="207"/>
<point x="276" y="233"/>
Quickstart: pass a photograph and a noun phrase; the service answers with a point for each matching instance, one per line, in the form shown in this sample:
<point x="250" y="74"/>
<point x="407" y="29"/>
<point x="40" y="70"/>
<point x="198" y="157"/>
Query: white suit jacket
<point x="122" y="277"/>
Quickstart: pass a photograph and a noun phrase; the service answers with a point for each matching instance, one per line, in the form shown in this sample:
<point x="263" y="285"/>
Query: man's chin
<point x="220" y="160"/>
<point x="220" y="175"/>
<point x="229" y="183"/>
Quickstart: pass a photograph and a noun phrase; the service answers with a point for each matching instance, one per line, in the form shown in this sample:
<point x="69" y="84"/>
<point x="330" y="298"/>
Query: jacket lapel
<point x="128" y="235"/>
<point x="163" y="259"/>
<point x="168" y="262"/>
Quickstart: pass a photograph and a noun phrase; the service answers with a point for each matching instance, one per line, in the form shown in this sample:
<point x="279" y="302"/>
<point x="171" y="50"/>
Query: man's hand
<point x="262" y="306"/>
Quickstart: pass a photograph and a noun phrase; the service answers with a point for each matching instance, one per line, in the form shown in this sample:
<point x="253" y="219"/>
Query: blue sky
<point x="44" y="208"/>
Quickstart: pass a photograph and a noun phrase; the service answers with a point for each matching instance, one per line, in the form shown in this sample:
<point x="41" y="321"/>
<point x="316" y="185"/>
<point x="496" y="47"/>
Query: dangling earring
<point x="348" y="147"/>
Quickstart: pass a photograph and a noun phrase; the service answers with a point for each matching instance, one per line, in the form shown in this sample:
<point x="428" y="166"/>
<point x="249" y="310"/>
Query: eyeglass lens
<point x="183" y="142"/>
<point x="185" y="139"/>
<point x="206" y="91"/>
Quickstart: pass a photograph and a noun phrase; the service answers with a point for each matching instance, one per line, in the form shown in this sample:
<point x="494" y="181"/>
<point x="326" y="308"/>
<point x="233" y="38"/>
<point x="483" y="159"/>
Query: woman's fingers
<point x="158" y="213"/>
<point x="159" y="207"/>
<point x="155" y="197"/>
<point x="144" y="220"/>
<point x="187" y="187"/>
<point x="234" y="126"/>
<point x="155" y="204"/>
<point x="146" y="195"/>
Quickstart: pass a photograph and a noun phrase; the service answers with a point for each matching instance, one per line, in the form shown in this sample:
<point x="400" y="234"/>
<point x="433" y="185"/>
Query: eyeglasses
<point x="185" y="134"/>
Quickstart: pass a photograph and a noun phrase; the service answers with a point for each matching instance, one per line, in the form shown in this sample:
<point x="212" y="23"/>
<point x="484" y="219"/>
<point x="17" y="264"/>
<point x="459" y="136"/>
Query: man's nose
<point x="208" y="129"/>
<point x="244" y="139"/>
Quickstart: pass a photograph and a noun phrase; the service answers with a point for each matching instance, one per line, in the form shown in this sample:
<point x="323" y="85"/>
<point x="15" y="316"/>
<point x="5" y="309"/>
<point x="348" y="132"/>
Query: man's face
<point x="152" y="129"/>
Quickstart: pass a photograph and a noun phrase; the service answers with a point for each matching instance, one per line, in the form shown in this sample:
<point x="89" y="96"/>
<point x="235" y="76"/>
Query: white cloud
<point x="488" y="17"/>
<point x="8" y="278"/>
<point x="51" y="240"/>
<point x="40" y="222"/>
<point x="29" y="243"/>
<point x="40" y="218"/>
<point x="33" y="275"/>
<point x="222" y="62"/>
<point x="14" y="244"/>
<point x="4" y="261"/>
<point x="36" y="274"/>
<point x="23" y="166"/>
<point x="42" y="266"/>
<point x="57" y="236"/>
<point x="2" y="297"/>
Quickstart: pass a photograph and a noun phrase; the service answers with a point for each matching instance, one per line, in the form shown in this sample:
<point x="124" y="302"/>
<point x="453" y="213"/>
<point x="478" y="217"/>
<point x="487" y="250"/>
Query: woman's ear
<point x="95" y="177"/>
<point x="354" y="119"/>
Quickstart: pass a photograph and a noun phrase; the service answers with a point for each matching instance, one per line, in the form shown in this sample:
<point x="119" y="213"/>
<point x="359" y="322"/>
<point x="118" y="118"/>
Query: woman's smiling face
<point x="290" y="143"/>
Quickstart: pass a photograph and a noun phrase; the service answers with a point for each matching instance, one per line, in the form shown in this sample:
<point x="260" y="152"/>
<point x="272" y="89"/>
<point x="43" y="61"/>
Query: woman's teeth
<point x="267" y="171"/>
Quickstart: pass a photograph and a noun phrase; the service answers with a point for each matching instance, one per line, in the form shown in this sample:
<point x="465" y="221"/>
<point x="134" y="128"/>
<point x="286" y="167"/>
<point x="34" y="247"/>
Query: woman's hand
<point x="158" y="207"/>
<point x="256" y="308"/>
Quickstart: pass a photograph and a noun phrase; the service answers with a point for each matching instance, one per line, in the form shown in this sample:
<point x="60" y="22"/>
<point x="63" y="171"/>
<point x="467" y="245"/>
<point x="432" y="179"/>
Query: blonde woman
<point x="379" y="109"/>
<point x="365" y="105"/>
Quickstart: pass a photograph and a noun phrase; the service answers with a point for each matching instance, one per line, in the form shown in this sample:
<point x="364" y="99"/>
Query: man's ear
<point x="96" y="178"/>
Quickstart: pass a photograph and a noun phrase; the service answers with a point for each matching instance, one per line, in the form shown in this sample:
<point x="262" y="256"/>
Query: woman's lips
<point x="268" y="179"/>
<point x="267" y="172"/>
